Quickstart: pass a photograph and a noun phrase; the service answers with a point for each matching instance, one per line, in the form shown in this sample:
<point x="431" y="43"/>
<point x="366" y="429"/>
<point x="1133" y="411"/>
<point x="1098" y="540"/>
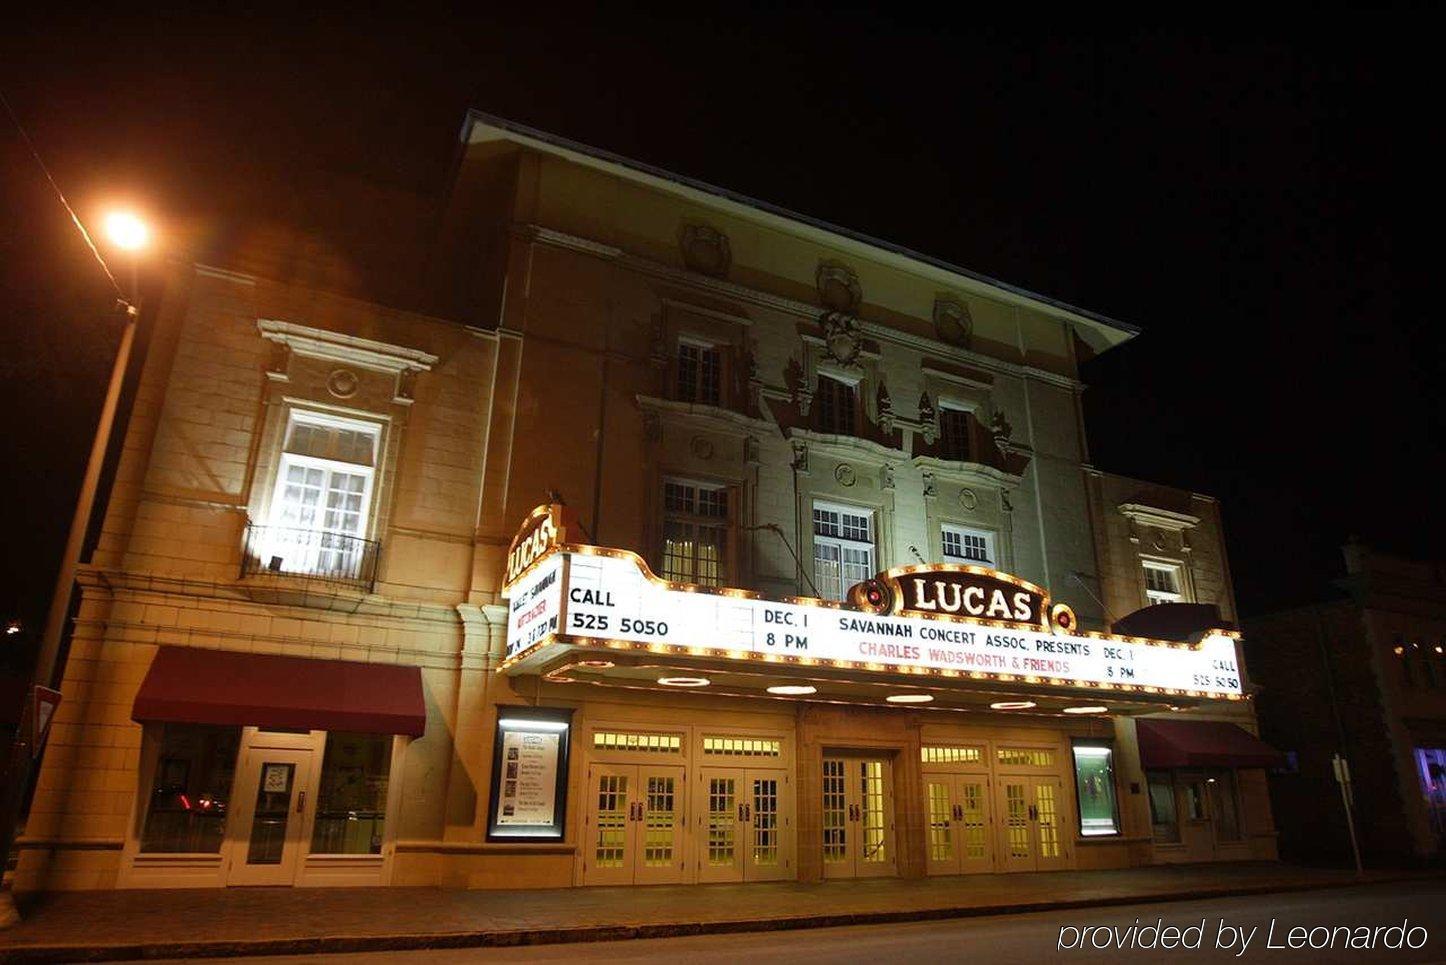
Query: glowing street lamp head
<point x="126" y="231"/>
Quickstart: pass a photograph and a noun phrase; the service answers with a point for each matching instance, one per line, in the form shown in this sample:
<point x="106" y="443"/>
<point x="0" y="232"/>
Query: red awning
<point x="189" y="685"/>
<point x="1202" y="743"/>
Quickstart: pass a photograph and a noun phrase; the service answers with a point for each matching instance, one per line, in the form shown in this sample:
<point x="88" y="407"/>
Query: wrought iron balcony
<point x="312" y="554"/>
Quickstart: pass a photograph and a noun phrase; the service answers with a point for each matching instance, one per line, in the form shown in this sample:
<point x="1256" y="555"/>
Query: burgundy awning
<point x="190" y="685"/>
<point x="1202" y="743"/>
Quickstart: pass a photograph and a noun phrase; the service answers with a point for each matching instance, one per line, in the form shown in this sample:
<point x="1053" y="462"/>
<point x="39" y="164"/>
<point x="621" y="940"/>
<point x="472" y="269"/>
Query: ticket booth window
<point x="191" y="791"/>
<point x="1094" y="774"/>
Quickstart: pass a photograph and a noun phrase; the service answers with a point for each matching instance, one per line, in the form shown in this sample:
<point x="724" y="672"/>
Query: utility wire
<point x="61" y="195"/>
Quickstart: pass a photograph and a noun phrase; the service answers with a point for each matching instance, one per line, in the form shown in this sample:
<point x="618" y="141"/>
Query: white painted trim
<point x="336" y="347"/>
<point x="1159" y="518"/>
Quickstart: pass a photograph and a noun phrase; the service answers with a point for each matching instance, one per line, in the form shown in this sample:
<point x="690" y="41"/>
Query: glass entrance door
<point x="1031" y="836"/>
<point x="741" y="825"/>
<point x="958" y="806"/>
<point x="858" y="817"/>
<point x="275" y="817"/>
<point x="634" y="824"/>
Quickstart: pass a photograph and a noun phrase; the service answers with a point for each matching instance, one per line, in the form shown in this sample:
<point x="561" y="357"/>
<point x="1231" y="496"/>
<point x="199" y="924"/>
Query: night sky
<point x="1265" y="206"/>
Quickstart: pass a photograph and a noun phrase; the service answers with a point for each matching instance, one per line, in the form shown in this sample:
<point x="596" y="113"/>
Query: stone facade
<point x="549" y="366"/>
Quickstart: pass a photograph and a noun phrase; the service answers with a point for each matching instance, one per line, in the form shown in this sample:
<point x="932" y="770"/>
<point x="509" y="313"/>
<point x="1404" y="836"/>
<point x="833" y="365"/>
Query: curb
<point x="340" y="944"/>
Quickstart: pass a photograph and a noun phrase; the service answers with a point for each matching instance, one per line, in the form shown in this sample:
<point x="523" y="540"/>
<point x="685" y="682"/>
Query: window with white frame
<point x="1162" y="583"/>
<point x="695" y="532"/>
<point x="843" y="548"/>
<point x="964" y="544"/>
<point x="700" y="373"/>
<point x="319" y="510"/>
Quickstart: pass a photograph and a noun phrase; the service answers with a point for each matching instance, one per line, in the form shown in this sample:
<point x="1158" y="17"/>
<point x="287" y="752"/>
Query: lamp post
<point x="131" y="235"/>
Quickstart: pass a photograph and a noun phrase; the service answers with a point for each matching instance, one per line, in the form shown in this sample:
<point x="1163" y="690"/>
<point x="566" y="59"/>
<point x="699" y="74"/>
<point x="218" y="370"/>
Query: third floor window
<point x="836" y="405"/>
<point x="700" y="373"/>
<point x="954" y="438"/>
<point x="1162" y="583"/>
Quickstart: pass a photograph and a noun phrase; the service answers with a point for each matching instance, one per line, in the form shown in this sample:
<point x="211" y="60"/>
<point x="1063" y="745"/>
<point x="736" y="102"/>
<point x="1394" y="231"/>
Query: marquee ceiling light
<point x="1091" y="709"/>
<point x="1012" y="705"/>
<point x="792" y="690"/>
<point x="684" y="681"/>
<point x="596" y="664"/>
<point x="909" y="698"/>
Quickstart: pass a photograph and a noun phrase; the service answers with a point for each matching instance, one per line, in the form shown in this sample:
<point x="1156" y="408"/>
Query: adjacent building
<point x="1360" y="676"/>
<point x="673" y="537"/>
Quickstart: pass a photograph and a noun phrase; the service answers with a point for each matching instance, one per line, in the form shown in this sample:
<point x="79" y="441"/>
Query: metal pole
<point x="1343" y="778"/>
<point x="60" y="602"/>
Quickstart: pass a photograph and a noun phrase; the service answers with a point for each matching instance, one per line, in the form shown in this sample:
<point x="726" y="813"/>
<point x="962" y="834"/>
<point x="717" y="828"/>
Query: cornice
<point x="705" y="416"/>
<point x="847" y="447"/>
<point x="1158" y="518"/>
<point x="336" y="347"/>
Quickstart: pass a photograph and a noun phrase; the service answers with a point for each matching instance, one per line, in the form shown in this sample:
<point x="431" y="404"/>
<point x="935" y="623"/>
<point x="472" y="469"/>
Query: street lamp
<point x="127" y="233"/>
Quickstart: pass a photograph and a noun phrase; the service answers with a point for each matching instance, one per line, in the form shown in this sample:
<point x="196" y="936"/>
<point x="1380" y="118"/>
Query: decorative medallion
<point x="702" y="448"/>
<point x="706" y="250"/>
<point x="967" y="499"/>
<point x="841" y="340"/>
<point x="1158" y="542"/>
<point x="838" y="287"/>
<point x="342" y="383"/>
<point x="845" y="474"/>
<point x="952" y="322"/>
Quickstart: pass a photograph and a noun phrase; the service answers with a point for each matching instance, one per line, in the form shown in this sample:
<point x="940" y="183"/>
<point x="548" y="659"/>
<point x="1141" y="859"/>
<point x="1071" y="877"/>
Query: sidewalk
<point x="108" y="925"/>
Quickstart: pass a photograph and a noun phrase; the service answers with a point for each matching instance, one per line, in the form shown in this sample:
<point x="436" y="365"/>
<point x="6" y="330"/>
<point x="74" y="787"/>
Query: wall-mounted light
<point x="792" y="690"/>
<point x="1091" y="709"/>
<point x="1012" y="705"/>
<point x="684" y="681"/>
<point x="909" y="698"/>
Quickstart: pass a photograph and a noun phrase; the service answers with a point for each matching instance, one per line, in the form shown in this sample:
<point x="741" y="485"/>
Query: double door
<point x="1030" y="809"/>
<point x="635" y="821"/>
<point x="742" y="824"/>
<point x="858" y="817"/>
<point x="961" y="831"/>
<point x="273" y="815"/>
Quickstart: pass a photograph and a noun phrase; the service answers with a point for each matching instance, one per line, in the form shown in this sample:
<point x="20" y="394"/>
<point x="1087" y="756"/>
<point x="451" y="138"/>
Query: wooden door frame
<point x="298" y="833"/>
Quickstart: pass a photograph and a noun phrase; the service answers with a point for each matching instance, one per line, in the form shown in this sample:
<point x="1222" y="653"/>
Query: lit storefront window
<point x="1431" y="765"/>
<point x="191" y="790"/>
<point x="1094" y="775"/>
<point x="351" y="807"/>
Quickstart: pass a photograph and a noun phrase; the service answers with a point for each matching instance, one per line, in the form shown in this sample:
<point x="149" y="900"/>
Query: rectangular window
<point x="1164" y="818"/>
<point x="319" y="510"/>
<point x="843" y="549"/>
<point x="351" y="806"/>
<point x="191" y="791"/>
<point x="700" y="373"/>
<point x="836" y="403"/>
<point x="695" y="533"/>
<point x="1162" y="583"/>
<point x="955" y="442"/>
<point x="1094" y="778"/>
<point x="965" y="545"/>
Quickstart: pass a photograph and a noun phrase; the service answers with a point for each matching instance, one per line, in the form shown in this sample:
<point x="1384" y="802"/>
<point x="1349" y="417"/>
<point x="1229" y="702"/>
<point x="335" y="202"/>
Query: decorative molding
<point x="838" y="287"/>
<point x="342" y="383"/>
<point x="968" y="499"/>
<point x="845" y="474"/>
<point x="967" y="473"/>
<point x="211" y="271"/>
<point x="705" y="249"/>
<point x="952" y="321"/>
<point x="841" y="342"/>
<point x="850" y="449"/>
<point x="800" y="456"/>
<point x="1159" y="518"/>
<point x="886" y="476"/>
<point x="336" y="347"/>
<point x="701" y="447"/>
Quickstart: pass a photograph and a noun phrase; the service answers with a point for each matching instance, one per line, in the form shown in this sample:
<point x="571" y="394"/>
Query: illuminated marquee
<point x="943" y="620"/>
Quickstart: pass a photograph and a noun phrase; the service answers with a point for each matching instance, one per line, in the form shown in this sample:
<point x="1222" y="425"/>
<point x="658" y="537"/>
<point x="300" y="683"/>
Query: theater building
<point x="671" y="537"/>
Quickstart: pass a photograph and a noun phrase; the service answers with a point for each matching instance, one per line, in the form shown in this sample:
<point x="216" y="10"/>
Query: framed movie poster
<point x="530" y="755"/>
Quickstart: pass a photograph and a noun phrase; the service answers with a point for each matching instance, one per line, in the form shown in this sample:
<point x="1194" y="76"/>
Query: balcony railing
<point x="313" y="554"/>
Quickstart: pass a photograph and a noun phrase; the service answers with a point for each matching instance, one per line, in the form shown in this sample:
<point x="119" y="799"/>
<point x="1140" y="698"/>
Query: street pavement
<point x="1035" y="937"/>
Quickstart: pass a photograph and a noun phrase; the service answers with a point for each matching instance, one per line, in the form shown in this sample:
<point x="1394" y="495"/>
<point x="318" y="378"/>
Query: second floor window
<point x="843" y="549"/>
<point x="836" y="403"/>
<point x="695" y="533"/>
<point x="965" y="545"/>
<point x="319" y="511"/>
<point x="700" y="373"/>
<point x="954" y="438"/>
<point x="1162" y="583"/>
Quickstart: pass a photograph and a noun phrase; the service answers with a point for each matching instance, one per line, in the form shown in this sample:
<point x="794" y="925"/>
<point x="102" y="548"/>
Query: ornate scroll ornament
<point x="800" y="456"/>
<point x="838" y="287"/>
<point x="931" y="489"/>
<point x="928" y="418"/>
<point x="1001" y="430"/>
<point x="886" y="476"/>
<point x="968" y="499"/>
<point x="701" y="447"/>
<point x="952" y="321"/>
<point x="705" y="250"/>
<point x="845" y="474"/>
<point x="885" y="406"/>
<point x="841" y="340"/>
